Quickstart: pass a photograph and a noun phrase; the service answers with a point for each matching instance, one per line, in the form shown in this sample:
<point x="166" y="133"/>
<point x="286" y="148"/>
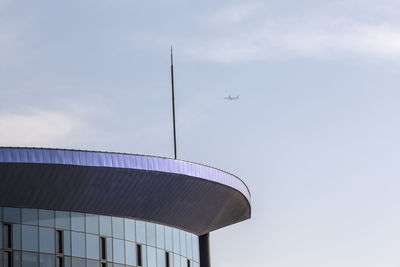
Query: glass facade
<point x="45" y="238"/>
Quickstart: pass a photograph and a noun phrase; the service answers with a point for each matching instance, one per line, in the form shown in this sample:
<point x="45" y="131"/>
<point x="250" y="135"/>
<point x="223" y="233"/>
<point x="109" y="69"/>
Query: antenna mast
<point x="173" y="100"/>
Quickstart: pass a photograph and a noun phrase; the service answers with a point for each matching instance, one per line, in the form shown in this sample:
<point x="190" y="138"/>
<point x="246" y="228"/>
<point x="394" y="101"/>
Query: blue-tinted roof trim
<point x="121" y="160"/>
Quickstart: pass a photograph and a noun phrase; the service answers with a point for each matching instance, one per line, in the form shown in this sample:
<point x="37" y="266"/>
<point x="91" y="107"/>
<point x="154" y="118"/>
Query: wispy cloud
<point x="259" y="38"/>
<point x="38" y="128"/>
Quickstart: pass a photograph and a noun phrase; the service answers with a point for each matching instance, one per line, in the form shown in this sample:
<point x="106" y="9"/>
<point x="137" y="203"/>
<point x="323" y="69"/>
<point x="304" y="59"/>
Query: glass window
<point x="12" y="215"/>
<point x="46" y="218"/>
<point x="183" y="262"/>
<point x="168" y="238"/>
<point x="103" y="249"/>
<point x="63" y="220"/>
<point x="67" y="261"/>
<point x="77" y="222"/>
<point x="130" y="230"/>
<point x="176" y="240"/>
<point x="141" y="232"/>
<point x="109" y="249"/>
<point x="16" y="236"/>
<point x="151" y="233"/>
<point x="144" y="256"/>
<point x="182" y="235"/>
<point x="119" y="251"/>
<point x="92" y="263"/>
<point x="130" y="252"/>
<point x="151" y="257"/>
<point x="177" y="260"/>
<point x="77" y="262"/>
<point x="161" y="258"/>
<point x="30" y="238"/>
<point x="47" y="260"/>
<point x="118" y="227"/>
<point x="78" y="244"/>
<point x="46" y="240"/>
<point x="1" y="236"/>
<point x="67" y="243"/>
<point x="139" y="257"/>
<point x="29" y="259"/>
<point x="30" y="216"/>
<point x="160" y="236"/>
<point x="195" y="247"/>
<point x="92" y="246"/>
<point x="189" y="245"/>
<point x="105" y="225"/>
<point x="92" y="224"/>
<point x="59" y="242"/>
<point x="1" y="214"/>
<point x="7" y="228"/>
<point x="17" y="259"/>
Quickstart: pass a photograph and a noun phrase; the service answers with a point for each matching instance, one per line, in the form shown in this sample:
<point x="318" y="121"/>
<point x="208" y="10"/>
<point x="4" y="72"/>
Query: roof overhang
<point x="186" y="195"/>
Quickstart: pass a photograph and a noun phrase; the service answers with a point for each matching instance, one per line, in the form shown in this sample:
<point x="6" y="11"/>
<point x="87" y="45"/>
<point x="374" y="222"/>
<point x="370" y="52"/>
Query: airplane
<point x="231" y="98"/>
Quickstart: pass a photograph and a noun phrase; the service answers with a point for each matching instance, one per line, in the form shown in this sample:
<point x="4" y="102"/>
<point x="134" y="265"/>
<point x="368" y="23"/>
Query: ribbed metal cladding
<point x="180" y="200"/>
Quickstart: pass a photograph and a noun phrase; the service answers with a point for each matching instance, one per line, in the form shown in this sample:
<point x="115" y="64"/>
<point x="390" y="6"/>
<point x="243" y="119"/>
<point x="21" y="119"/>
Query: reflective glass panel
<point x="30" y="216"/>
<point x="67" y="243"/>
<point x="63" y="220"/>
<point x="151" y="233"/>
<point x="144" y="256"/>
<point x="130" y="230"/>
<point x="1" y="214"/>
<point x="16" y="236"/>
<point x="17" y="259"/>
<point x="182" y="235"/>
<point x="12" y="215"/>
<point x="119" y="251"/>
<point x="177" y="260"/>
<point x="189" y="246"/>
<point x="168" y="239"/>
<point x="47" y="260"/>
<point x="1" y="235"/>
<point x="78" y="244"/>
<point x="29" y="259"/>
<point x="161" y="258"/>
<point x="30" y="238"/>
<point x="77" y="222"/>
<point x="92" y="246"/>
<point x="118" y="227"/>
<point x="130" y="252"/>
<point x="92" y="224"/>
<point x="151" y="257"/>
<point x="141" y="232"/>
<point x="183" y="262"/>
<point x="176" y="240"/>
<point x="46" y="218"/>
<point x="195" y="247"/>
<point x="46" y="240"/>
<point x="67" y="261"/>
<point x="109" y="249"/>
<point x="160" y="236"/>
<point x="105" y="225"/>
<point x="77" y="262"/>
<point x="92" y="263"/>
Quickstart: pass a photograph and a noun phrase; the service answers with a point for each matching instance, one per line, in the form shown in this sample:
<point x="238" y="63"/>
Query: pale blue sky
<point x="315" y="134"/>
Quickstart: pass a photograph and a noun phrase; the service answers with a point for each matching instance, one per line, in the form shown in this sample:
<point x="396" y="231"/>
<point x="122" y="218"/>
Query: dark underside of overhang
<point x="192" y="204"/>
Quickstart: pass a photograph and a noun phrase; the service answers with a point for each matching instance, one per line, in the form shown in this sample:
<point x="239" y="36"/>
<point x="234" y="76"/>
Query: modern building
<point x="82" y="209"/>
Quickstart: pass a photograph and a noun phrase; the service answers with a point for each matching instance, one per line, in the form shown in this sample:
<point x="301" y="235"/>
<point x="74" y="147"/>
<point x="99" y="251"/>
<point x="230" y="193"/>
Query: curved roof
<point x="186" y="195"/>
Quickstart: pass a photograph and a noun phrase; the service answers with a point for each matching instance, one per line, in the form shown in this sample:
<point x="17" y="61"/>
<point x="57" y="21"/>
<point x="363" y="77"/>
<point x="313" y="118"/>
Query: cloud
<point x="257" y="36"/>
<point x="39" y="128"/>
<point x="231" y="14"/>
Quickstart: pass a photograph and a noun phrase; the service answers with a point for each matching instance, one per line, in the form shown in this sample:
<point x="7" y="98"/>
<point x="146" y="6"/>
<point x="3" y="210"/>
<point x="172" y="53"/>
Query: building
<point x="82" y="209"/>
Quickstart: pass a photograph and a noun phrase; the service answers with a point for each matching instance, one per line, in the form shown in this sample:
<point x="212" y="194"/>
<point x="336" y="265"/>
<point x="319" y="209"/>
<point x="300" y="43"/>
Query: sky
<point x="315" y="133"/>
